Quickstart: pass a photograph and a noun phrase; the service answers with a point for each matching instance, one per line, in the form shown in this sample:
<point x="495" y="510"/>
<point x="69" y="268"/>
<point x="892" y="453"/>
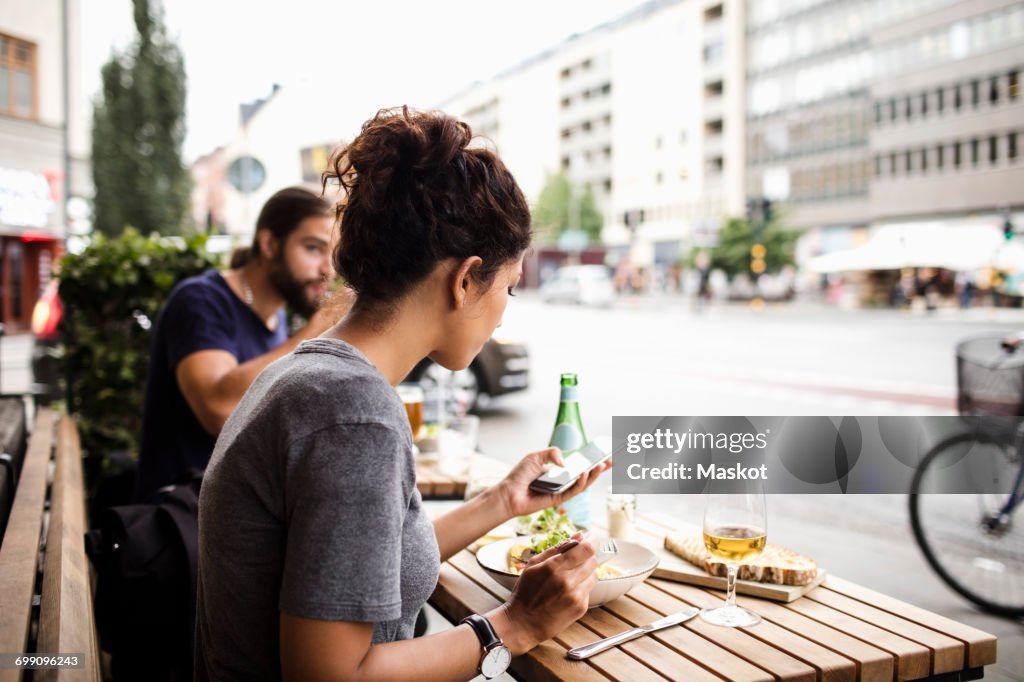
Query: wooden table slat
<point x="647" y="650"/>
<point x="615" y="663"/>
<point x="873" y="664"/>
<point x="911" y="660"/>
<point x="981" y="646"/>
<point x="690" y="644"/>
<point x="779" y="663"/>
<point x="19" y="554"/>
<point x="947" y="654"/>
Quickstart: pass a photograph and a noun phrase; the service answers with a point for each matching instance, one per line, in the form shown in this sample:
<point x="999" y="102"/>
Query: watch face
<point x="495" y="662"/>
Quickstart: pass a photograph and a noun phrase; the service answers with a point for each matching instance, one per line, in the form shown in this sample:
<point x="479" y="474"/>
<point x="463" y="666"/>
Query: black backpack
<point x="145" y="556"/>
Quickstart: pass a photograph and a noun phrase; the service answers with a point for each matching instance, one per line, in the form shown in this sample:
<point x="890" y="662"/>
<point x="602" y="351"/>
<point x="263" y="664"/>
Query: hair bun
<point x="399" y="141"/>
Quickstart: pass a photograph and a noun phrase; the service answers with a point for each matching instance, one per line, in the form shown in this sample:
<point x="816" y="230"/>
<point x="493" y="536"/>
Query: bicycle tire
<point x="922" y="539"/>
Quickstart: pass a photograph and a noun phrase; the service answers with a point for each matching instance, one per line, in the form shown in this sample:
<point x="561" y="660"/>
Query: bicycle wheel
<point x="983" y="565"/>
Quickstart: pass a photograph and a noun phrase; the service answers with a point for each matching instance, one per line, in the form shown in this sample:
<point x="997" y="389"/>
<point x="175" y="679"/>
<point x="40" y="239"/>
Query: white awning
<point x="953" y="245"/>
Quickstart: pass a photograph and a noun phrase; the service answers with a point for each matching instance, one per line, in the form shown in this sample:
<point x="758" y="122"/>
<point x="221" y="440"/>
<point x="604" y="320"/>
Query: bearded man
<point x="218" y="330"/>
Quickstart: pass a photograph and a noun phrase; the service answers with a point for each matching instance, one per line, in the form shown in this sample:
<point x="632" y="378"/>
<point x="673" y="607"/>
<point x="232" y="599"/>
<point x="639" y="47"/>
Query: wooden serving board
<point x="677" y="569"/>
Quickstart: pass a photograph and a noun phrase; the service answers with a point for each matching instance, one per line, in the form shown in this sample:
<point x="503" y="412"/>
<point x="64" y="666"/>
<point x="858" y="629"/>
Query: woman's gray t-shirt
<point x="309" y="506"/>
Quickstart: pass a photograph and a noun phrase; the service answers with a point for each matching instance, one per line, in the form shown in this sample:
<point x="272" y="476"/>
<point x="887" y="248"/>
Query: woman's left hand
<point x="515" y="493"/>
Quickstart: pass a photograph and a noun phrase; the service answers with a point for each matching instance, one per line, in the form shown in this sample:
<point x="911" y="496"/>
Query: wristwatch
<point x="496" y="657"/>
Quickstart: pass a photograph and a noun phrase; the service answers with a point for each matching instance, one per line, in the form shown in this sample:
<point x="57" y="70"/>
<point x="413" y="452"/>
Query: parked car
<point x="45" y="363"/>
<point x="582" y="284"/>
<point x="502" y="366"/>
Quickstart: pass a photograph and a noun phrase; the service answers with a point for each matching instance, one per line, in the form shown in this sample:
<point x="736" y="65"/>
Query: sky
<point x="376" y="53"/>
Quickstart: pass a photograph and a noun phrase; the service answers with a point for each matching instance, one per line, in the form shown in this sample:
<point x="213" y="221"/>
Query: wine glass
<point x="735" y="530"/>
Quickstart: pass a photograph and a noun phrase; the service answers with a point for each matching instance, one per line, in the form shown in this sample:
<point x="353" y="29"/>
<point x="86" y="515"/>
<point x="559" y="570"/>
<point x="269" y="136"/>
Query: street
<point x="656" y="357"/>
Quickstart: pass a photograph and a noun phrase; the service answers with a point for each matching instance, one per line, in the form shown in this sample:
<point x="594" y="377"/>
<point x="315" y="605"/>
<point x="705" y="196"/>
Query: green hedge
<point x="112" y="293"/>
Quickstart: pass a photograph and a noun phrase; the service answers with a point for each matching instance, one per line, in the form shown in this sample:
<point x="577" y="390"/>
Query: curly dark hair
<point x="415" y="195"/>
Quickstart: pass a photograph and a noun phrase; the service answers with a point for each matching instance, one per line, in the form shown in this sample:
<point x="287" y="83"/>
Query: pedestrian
<point x="315" y="553"/>
<point x="218" y="330"/>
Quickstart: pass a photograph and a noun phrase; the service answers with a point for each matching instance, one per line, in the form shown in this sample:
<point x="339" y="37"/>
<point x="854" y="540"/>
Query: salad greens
<point x="545" y="521"/>
<point x="543" y="542"/>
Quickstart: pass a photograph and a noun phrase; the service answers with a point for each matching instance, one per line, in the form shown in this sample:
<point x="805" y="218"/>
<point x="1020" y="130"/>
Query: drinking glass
<point x="735" y="530"/>
<point x="621" y="515"/>
<point x="457" y="443"/>
<point x="412" y="398"/>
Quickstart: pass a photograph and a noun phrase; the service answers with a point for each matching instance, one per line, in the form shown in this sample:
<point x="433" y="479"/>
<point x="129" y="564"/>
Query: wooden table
<point x="838" y="631"/>
<point x="435" y="484"/>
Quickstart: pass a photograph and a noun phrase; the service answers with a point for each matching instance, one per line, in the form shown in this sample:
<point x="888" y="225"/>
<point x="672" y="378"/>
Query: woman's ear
<point x="462" y="283"/>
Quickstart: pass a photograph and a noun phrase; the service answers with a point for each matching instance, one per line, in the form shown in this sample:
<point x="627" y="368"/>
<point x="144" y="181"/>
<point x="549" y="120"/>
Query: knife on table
<point x="588" y="650"/>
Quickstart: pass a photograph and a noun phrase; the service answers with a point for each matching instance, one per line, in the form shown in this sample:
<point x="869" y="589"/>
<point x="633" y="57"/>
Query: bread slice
<point x="775" y="564"/>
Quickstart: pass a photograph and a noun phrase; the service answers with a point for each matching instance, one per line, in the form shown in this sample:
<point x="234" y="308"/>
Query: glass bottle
<point x="569" y="436"/>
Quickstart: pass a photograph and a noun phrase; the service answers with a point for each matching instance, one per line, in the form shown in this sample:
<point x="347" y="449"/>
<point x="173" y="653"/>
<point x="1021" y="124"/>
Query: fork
<point x="607" y="550"/>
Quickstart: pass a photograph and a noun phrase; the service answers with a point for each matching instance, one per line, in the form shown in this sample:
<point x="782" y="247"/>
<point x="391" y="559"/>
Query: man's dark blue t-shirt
<point x="202" y="313"/>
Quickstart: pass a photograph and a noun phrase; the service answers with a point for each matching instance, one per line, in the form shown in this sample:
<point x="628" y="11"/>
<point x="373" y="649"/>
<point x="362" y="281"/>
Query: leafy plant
<point x="559" y="209"/>
<point x="736" y="239"/>
<point x="112" y="293"/>
<point x="137" y="133"/>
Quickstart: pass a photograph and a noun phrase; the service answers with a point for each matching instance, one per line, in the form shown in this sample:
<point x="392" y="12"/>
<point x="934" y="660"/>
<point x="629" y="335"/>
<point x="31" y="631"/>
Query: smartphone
<point x="558" y="479"/>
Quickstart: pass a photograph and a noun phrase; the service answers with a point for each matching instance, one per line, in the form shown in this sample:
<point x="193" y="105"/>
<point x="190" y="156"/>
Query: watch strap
<point x="484" y="630"/>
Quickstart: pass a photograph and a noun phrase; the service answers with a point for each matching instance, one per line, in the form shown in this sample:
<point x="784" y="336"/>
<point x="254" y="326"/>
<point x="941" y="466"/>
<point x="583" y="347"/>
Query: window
<point x="607" y="184"/>
<point x="924" y="160"/>
<point x="713" y="53"/>
<point x="1011" y="146"/>
<point x="975" y="93"/>
<point x="892" y="164"/>
<point x="993" y="90"/>
<point x="940" y="156"/>
<point x="566" y="102"/>
<point x="1013" y="88"/>
<point x="659" y="177"/>
<point x="957" y="154"/>
<point x="993" y="150"/>
<point x="712" y="13"/>
<point x="878" y="166"/>
<point x="566" y="163"/>
<point x="909" y="160"/>
<point x="924" y="104"/>
<point x="908" y="108"/>
<point x="940" y="100"/>
<point x="878" y="113"/>
<point x="975" y="148"/>
<point x="892" y="110"/>
<point x="958" y="98"/>
<point x="17" y="77"/>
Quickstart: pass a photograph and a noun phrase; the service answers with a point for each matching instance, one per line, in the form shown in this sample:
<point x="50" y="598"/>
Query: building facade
<point x="948" y="114"/>
<point x="646" y="112"/>
<point x="44" y="150"/>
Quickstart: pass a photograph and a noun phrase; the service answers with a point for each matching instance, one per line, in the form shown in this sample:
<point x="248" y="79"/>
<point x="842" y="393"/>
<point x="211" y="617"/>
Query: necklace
<point x="270" y="322"/>
<point x="246" y="289"/>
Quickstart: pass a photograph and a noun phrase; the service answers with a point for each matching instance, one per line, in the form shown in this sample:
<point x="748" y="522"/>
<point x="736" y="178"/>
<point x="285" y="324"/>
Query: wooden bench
<point x="45" y="594"/>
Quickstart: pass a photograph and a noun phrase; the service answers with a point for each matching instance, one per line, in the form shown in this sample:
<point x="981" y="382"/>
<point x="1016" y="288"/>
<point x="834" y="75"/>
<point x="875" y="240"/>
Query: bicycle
<point x="975" y="542"/>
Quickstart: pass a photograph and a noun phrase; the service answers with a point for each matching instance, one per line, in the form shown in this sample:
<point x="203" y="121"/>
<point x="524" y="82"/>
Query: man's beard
<point x="290" y="288"/>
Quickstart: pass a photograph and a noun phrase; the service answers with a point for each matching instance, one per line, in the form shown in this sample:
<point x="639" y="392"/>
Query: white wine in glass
<point x="735" y="530"/>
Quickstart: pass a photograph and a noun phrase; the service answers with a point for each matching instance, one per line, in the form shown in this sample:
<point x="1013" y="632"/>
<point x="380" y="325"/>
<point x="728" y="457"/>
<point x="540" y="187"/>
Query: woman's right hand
<point x="552" y="593"/>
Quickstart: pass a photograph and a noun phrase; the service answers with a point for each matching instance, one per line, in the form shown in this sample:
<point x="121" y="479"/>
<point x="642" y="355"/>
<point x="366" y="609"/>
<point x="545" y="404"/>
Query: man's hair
<point x="281" y="215"/>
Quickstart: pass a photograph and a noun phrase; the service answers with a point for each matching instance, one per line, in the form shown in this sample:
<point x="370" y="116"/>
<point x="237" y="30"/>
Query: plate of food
<point x="505" y="559"/>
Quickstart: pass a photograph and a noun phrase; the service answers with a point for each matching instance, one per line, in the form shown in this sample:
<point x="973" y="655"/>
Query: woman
<point x="315" y="552"/>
